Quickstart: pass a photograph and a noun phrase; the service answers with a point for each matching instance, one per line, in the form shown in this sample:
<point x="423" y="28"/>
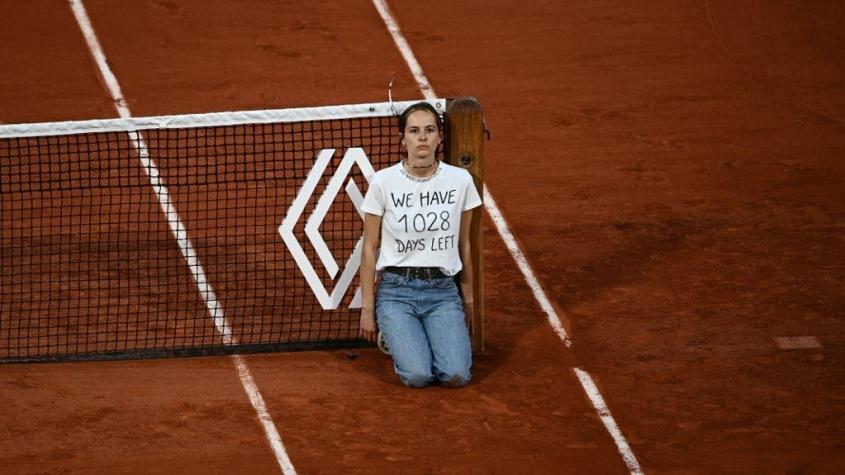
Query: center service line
<point x="180" y="233"/>
<point x="518" y="255"/>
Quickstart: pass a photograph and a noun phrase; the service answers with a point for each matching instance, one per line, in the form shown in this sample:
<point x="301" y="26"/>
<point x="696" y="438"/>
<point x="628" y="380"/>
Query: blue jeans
<point x="422" y="322"/>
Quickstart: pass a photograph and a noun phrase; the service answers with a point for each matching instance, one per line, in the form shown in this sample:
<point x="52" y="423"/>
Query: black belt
<point x="423" y="273"/>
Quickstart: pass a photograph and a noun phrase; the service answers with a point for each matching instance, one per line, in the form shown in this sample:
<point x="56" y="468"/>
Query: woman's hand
<point x="368" y="330"/>
<point x="372" y="228"/>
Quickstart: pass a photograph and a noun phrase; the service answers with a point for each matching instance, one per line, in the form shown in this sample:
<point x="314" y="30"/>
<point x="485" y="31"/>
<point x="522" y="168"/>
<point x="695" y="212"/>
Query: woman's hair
<point x="419" y="106"/>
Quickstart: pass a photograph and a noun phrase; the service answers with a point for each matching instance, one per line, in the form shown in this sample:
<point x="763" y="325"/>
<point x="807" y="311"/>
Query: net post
<point x="465" y="149"/>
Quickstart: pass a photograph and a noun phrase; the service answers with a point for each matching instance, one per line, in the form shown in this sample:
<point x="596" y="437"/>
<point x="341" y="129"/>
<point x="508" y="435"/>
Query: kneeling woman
<point x="420" y="211"/>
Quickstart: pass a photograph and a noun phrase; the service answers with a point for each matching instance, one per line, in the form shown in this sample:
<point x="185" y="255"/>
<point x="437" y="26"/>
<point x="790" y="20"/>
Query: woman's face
<point x="421" y="136"/>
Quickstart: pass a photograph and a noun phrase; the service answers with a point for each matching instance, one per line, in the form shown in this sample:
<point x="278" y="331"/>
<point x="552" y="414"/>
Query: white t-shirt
<point x="421" y="218"/>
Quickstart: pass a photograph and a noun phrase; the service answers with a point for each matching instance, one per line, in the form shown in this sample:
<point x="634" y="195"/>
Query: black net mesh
<point x="93" y="252"/>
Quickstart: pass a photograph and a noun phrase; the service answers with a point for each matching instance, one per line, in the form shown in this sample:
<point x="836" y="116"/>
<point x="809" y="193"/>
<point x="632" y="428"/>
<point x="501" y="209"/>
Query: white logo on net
<point x="329" y="300"/>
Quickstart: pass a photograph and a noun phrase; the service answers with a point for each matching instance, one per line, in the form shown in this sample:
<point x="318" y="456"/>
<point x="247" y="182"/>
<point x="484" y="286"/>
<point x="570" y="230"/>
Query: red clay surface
<point x="673" y="171"/>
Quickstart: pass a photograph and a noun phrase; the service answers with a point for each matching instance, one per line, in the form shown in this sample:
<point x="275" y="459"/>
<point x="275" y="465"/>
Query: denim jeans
<point x="422" y="322"/>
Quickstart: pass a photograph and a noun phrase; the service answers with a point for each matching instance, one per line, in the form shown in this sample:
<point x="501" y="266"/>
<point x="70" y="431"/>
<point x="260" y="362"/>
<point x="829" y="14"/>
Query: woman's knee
<point x="454" y="378"/>
<point x="416" y="379"/>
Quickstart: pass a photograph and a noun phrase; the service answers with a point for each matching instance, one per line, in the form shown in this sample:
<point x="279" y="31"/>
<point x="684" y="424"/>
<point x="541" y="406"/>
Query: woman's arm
<point x="467" y="270"/>
<point x="372" y="230"/>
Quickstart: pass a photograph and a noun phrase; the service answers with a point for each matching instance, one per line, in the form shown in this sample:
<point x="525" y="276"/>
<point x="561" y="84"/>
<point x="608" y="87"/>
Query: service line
<point x="180" y="233"/>
<point x="518" y="255"/>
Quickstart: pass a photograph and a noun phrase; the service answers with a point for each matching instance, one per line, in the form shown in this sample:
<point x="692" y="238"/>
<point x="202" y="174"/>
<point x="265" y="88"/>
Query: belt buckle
<point x="420" y="273"/>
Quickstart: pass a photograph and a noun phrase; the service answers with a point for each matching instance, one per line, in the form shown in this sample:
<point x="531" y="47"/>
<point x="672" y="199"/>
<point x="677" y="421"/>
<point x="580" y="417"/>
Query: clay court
<point x="672" y="170"/>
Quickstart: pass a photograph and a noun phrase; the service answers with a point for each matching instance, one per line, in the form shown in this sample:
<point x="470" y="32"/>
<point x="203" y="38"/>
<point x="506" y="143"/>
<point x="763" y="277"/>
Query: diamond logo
<point x="329" y="299"/>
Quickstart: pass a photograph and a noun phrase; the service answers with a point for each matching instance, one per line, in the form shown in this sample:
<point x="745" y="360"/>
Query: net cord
<point x="214" y="119"/>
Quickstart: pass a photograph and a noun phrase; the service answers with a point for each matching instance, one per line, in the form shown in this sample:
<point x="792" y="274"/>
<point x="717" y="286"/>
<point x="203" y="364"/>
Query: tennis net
<point x="193" y="234"/>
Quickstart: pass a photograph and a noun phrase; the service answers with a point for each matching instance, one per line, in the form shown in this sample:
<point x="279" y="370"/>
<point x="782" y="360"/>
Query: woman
<point x="420" y="211"/>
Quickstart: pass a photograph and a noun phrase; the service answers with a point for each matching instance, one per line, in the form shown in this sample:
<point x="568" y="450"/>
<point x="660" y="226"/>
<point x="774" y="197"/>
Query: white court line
<point x="181" y="235"/>
<point x="521" y="261"/>
<point x="405" y="49"/>
<point x="513" y="246"/>
<point x="607" y="419"/>
<point x="264" y="416"/>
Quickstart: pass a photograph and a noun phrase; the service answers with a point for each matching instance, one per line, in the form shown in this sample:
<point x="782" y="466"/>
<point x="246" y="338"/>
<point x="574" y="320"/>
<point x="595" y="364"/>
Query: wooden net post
<point x="465" y="149"/>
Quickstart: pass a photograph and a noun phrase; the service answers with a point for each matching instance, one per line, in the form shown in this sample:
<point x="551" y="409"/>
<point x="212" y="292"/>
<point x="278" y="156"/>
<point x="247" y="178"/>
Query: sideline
<point x="181" y="235"/>
<point x="518" y="255"/>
